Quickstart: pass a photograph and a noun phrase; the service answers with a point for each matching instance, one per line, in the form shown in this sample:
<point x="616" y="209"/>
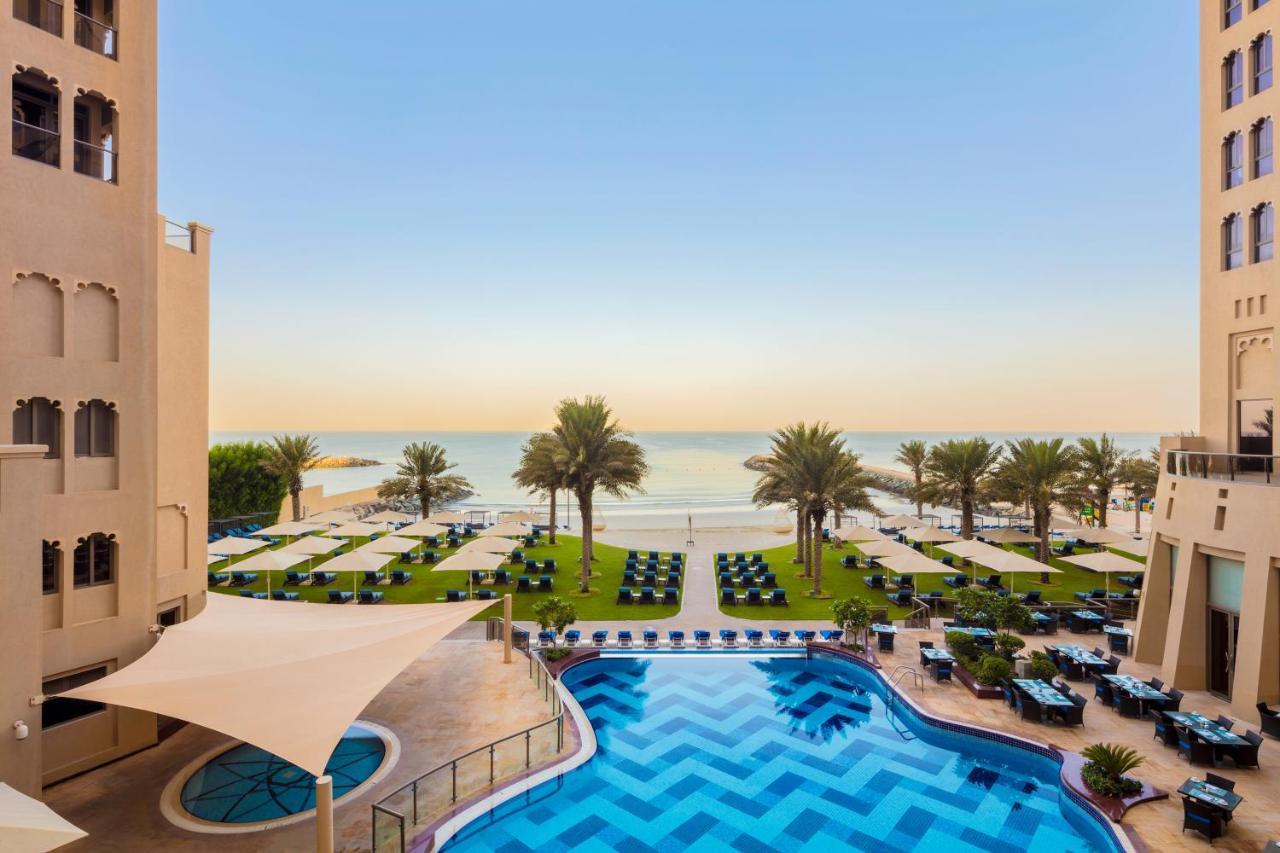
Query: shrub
<point x="1041" y="667"/>
<point x="963" y="645"/>
<point x="1008" y="644"/>
<point x="851" y="614"/>
<point x="553" y="612"/>
<point x="556" y="654"/>
<point x="238" y="482"/>
<point x="992" y="669"/>
<point x="1107" y="764"/>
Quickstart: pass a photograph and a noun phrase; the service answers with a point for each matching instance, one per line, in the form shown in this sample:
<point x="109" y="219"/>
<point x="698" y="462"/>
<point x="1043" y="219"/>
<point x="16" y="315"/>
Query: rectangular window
<point x="1262" y="64"/>
<point x="169" y="618"/>
<point x="37" y="421"/>
<point x="1232" y="243"/>
<point x="93" y="561"/>
<point x="51" y="565"/>
<point x="1233" y="80"/>
<point x="1232" y="12"/>
<point x="55" y="712"/>
<point x="1264" y="229"/>
<point x="45" y="14"/>
<point x="1233" y="161"/>
<point x="1226" y="583"/>
<point x="1262" y="153"/>
<point x="96" y="429"/>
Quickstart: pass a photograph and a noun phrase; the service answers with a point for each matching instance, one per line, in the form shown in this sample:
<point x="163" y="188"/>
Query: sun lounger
<point x="545" y="583"/>
<point x="874" y="581"/>
<point x="281" y="595"/>
<point x="243" y="578"/>
<point x="571" y="638"/>
<point x="338" y="596"/>
<point x="430" y="557"/>
<point x="369" y="596"/>
<point x="676" y="638"/>
<point x="849" y="561"/>
<point x="804" y="635"/>
<point x="673" y="579"/>
<point x="728" y="638"/>
<point x="216" y="578"/>
<point x="455" y="595"/>
<point x="373" y="578"/>
<point x="524" y="583"/>
<point x="780" y="638"/>
<point x="629" y="577"/>
<point x="624" y="595"/>
<point x="831" y="636"/>
<point x="546" y="639"/>
<point x="650" y="578"/>
<point x="293" y="578"/>
<point x="248" y="593"/>
<point x="486" y="594"/>
<point x="903" y="581"/>
<point x="646" y="595"/>
<point x="902" y="597"/>
<point x="728" y="596"/>
<point x="599" y="639"/>
<point x="650" y="638"/>
<point x="702" y="638"/>
<point x="319" y="578"/>
<point x="549" y="566"/>
<point x="753" y="595"/>
<point x="755" y="637"/>
<point x="1131" y="581"/>
<point x="670" y="595"/>
<point x="778" y="597"/>
<point x="990" y="582"/>
<point x="624" y="639"/>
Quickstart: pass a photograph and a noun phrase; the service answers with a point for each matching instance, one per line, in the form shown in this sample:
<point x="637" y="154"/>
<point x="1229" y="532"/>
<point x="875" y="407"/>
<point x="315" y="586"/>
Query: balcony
<point x="45" y="14"/>
<point x="178" y="236"/>
<point x="95" y="35"/>
<point x="36" y="143"/>
<point x="95" y="161"/>
<point x="1233" y="467"/>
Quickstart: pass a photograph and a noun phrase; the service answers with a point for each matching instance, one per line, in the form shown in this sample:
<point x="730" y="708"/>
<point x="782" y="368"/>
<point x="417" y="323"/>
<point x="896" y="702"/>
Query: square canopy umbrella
<point x="490" y="545"/>
<point x="389" y="515"/>
<point x="857" y="533"/>
<point x="214" y="558"/>
<point x="1107" y="563"/>
<point x="292" y="528"/>
<point x="470" y="561"/>
<point x="233" y="546"/>
<point x="883" y="548"/>
<point x="333" y="516"/>
<point x="1013" y="563"/>
<point x="915" y="563"/>
<point x="505" y="528"/>
<point x="357" y="562"/>
<point x="930" y="535"/>
<point x="901" y="521"/>
<point x="448" y="517"/>
<point x="353" y="529"/>
<point x="270" y="561"/>
<point x="313" y="546"/>
<point x="390" y="545"/>
<point x="423" y="529"/>
<point x="1011" y="536"/>
<point x="519" y="516"/>
<point x="1094" y="535"/>
<point x="976" y="552"/>
<point x="29" y="826"/>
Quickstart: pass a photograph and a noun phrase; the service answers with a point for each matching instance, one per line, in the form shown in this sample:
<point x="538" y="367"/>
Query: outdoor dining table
<point x="973" y="632"/>
<point x="1138" y="689"/>
<point x="1089" y="618"/>
<point x="932" y="656"/>
<point x="1211" y="795"/>
<point x="1205" y="729"/>
<point x="879" y="628"/>
<point x="1082" y="657"/>
<point x="1041" y="692"/>
<point x="1113" y="631"/>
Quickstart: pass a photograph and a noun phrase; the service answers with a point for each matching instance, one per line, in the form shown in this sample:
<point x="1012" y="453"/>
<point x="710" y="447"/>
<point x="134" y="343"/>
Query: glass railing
<point x="95" y="35"/>
<point x="1244" y="467"/>
<point x="36" y="143"/>
<point x="178" y="236"/>
<point x="45" y="14"/>
<point x="95" y="161"/>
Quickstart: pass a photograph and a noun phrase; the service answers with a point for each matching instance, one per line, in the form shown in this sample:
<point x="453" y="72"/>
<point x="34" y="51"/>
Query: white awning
<point x="913" y="563"/>
<point x="857" y="533"/>
<point x="901" y="521"/>
<point x="1012" y="562"/>
<point x="235" y="545"/>
<point x="883" y="548"/>
<point x="1009" y="535"/>
<point x="972" y="549"/>
<point x="930" y="534"/>
<point x="29" y="826"/>
<point x="313" y="545"/>
<point x="287" y="677"/>
<point x="357" y="561"/>
<point x="292" y="528"/>
<point x="390" y="545"/>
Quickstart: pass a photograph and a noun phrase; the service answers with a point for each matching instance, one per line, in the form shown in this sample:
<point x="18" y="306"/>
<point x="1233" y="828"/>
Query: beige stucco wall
<point x="103" y="246"/>
<point x="314" y="500"/>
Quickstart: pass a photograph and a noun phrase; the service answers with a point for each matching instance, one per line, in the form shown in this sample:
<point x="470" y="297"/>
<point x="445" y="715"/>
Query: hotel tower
<point x="104" y="376"/>
<point x="1210" y="613"/>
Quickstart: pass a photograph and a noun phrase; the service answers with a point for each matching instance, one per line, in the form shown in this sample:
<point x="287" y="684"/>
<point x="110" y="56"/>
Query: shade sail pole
<point x="324" y="814"/>
<point x="506" y="628"/>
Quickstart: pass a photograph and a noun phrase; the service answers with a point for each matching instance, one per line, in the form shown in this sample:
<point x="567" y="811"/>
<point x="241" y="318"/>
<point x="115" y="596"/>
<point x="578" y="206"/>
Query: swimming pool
<point x="779" y="753"/>
<point x="246" y="784"/>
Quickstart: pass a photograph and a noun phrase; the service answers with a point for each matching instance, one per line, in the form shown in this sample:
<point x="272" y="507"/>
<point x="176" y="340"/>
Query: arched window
<point x="1232" y="243"/>
<point x="96" y="429"/>
<point x="35" y="117"/>
<point x="95" y="131"/>
<point x="1260" y="51"/>
<point x="51" y="568"/>
<point x="39" y="421"/>
<point x="1232" y="160"/>
<point x="93" y="562"/>
<point x="1232" y="79"/>
<point x="1264" y="231"/>
<point x="1232" y="12"/>
<point x="1261" y="133"/>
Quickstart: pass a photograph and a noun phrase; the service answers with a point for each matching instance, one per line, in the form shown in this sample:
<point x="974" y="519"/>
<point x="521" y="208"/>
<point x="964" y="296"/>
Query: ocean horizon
<point x="697" y="476"/>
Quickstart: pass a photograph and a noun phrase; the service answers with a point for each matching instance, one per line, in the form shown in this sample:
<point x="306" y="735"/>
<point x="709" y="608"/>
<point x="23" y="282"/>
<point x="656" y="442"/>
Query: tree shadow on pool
<point x="814" y="705"/>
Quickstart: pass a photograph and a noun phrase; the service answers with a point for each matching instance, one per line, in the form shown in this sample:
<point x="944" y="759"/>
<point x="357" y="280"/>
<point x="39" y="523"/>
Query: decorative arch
<point x="97" y="322"/>
<point x="1254" y="362"/>
<point x="35" y="315"/>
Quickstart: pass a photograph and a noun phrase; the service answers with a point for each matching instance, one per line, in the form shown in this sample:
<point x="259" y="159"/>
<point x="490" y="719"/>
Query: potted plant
<point x="1105" y="769"/>
<point x="553" y="613"/>
<point x="852" y="615"/>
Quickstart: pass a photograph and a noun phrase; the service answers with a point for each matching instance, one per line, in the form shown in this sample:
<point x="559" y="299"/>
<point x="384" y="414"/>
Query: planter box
<point x="555" y="667"/>
<point x="982" y="691"/>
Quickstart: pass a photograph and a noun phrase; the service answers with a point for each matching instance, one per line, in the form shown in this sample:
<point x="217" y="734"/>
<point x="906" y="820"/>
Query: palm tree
<point x="957" y="470"/>
<point x="1139" y="475"/>
<point x="595" y="453"/>
<point x="914" y="454"/>
<point x="289" y="457"/>
<point x="540" y="472"/>
<point x="774" y="487"/>
<point x="1100" y="462"/>
<point x="423" y="474"/>
<point x="1048" y="472"/>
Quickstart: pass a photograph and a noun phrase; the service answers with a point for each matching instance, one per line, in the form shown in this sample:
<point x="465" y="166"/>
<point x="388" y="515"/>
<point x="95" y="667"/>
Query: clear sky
<point x="932" y="215"/>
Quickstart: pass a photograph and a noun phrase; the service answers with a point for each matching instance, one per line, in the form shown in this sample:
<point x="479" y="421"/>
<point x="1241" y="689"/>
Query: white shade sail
<point x="214" y="558"/>
<point x="287" y="677"/>
<point x="422" y="529"/>
<point x="333" y="516"/>
<point x="448" y="517"/>
<point x="235" y="545"/>
<point x="857" y="533"/>
<point x="29" y="826"/>
<point x="270" y="561"/>
<point x="1010" y="536"/>
<point x="292" y="528"/>
<point x="930" y="534"/>
<point x="313" y="545"/>
<point x="913" y="563"/>
<point x="490" y="545"/>
<point x="389" y="515"/>
<point x="359" y="528"/>
<point x="471" y="561"/>
<point x="357" y="561"/>
<point x="505" y="528"/>
<point x="390" y="545"/>
<point x="1105" y="561"/>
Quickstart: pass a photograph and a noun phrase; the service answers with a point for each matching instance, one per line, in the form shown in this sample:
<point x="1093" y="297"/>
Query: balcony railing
<point x="45" y="14"/>
<point x="178" y="236"/>
<point x="95" y="161"/>
<point x="1243" y="467"/>
<point x="36" y="143"/>
<point x="95" y="35"/>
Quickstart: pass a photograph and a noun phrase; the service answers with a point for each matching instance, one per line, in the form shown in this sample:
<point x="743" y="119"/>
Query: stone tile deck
<point x="457" y="697"/>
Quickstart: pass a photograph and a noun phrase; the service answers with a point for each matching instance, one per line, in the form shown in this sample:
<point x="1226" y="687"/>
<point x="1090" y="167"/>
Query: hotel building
<point x="104" y="373"/>
<point x="1210" y="613"/>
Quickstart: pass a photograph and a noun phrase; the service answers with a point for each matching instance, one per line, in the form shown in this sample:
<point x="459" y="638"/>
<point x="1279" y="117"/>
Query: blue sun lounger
<point x="571" y="638"/>
<point x="369" y="596"/>
<point x="755" y="637"/>
<point x="676" y="638"/>
<point x="338" y="596"/>
<point x="702" y="638"/>
<point x="599" y="638"/>
<point x="546" y="639"/>
<point x="624" y="639"/>
<point x="805" y="636"/>
<point x="780" y="638"/>
<point x="832" y="636"/>
<point x="728" y="638"/>
<point x="650" y="638"/>
<point x="248" y="593"/>
<point x="281" y="595"/>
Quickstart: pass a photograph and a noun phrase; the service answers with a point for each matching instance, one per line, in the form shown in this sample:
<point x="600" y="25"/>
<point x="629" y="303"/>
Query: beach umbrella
<point x="857" y="533"/>
<point x="214" y="558"/>
<point x="914" y="563"/>
<point x="353" y="529"/>
<point x="388" y="515"/>
<point x="901" y="521"/>
<point x="29" y="826"/>
<point x="312" y="546"/>
<point x="292" y="528"/>
<point x="930" y="536"/>
<point x="390" y="545"/>
<point x="359" y="562"/>
<point x="519" y="516"/>
<point x="1013" y="563"/>
<point x="1106" y="563"/>
<point x="471" y="561"/>
<point x="1094" y="535"/>
<point x="883" y="548"/>
<point x="423" y="529"/>
<point x="445" y="518"/>
<point x="975" y="552"/>
<point x="505" y="528"/>
<point x="270" y="561"/>
<point x="333" y="516"/>
<point x="1011" y="535"/>
<point x="234" y="546"/>
<point x="490" y="545"/>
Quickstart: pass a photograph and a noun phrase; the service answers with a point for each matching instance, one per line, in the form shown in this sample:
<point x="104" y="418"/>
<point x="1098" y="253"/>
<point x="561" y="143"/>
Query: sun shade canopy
<point x="235" y="545"/>
<point x="270" y="561"/>
<point x="422" y="528"/>
<point x="291" y="528"/>
<point x="1106" y="562"/>
<point x="857" y="533"/>
<point x="505" y="528"/>
<point x="287" y="677"/>
<point x="312" y="545"/>
<point x="1095" y="535"/>
<point x="29" y="826"/>
<point x="388" y="515"/>
<point x="1010" y="536"/>
<point x="901" y="521"/>
<point x="490" y="545"/>
<point x="390" y="545"/>
<point x="930" y="534"/>
<point x="333" y="516"/>
<point x="516" y="516"/>
<point x="445" y="518"/>
<point x="883" y="548"/>
<point x="471" y="561"/>
<point x="357" y="561"/>
<point x="912" y="563"/>
<point x="972" y="549"/>
<point x="359" y="528"/>
<point x="1010" y="563"/>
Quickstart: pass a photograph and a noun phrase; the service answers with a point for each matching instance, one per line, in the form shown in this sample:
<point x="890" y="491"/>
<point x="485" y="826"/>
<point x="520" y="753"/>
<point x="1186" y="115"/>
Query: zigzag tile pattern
<point x="773" y="754"/>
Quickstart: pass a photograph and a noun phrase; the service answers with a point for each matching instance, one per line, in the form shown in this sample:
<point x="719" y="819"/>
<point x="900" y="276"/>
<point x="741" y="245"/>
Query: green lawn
<point x="428" y="586"/>
<point x="839" y="582"/>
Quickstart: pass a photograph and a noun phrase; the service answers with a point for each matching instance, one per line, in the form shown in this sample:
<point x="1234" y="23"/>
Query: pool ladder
<point x="902" y="672"/>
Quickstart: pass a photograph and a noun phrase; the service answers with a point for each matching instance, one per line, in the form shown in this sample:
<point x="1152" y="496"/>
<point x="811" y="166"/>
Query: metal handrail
<point x="87" y="29"/>
<point x="178" y="236"/>
<point x="84" y="164"/>
<point x="897" y="675"/>
<point x="21" y="123"/>
<point x="1214" y="464"/>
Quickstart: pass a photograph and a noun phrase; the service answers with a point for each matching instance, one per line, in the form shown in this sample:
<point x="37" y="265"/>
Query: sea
<point x="695" y="478"/>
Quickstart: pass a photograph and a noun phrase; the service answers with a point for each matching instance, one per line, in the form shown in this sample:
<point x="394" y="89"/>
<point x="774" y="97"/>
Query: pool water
<point x="246" y="784"/>
<point x="781" y="753"/>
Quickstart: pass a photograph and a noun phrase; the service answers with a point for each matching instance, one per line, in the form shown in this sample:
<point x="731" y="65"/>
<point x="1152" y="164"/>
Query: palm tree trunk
<point x="817" y="554"/>
<point x="1104" y="498"/>
<point x="919" y="487"/>
<point x="801" y="524"/>
<point x="584" y="509"/>
<point x="808" y="549"/>
<point x="553" y="517"/>
<point x="297" y="504"/>
<point x="424" y="503"/>
<point x="1042" y="523"/>
<point x="1137" y="515"/>
<point x="966" y="517"/>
